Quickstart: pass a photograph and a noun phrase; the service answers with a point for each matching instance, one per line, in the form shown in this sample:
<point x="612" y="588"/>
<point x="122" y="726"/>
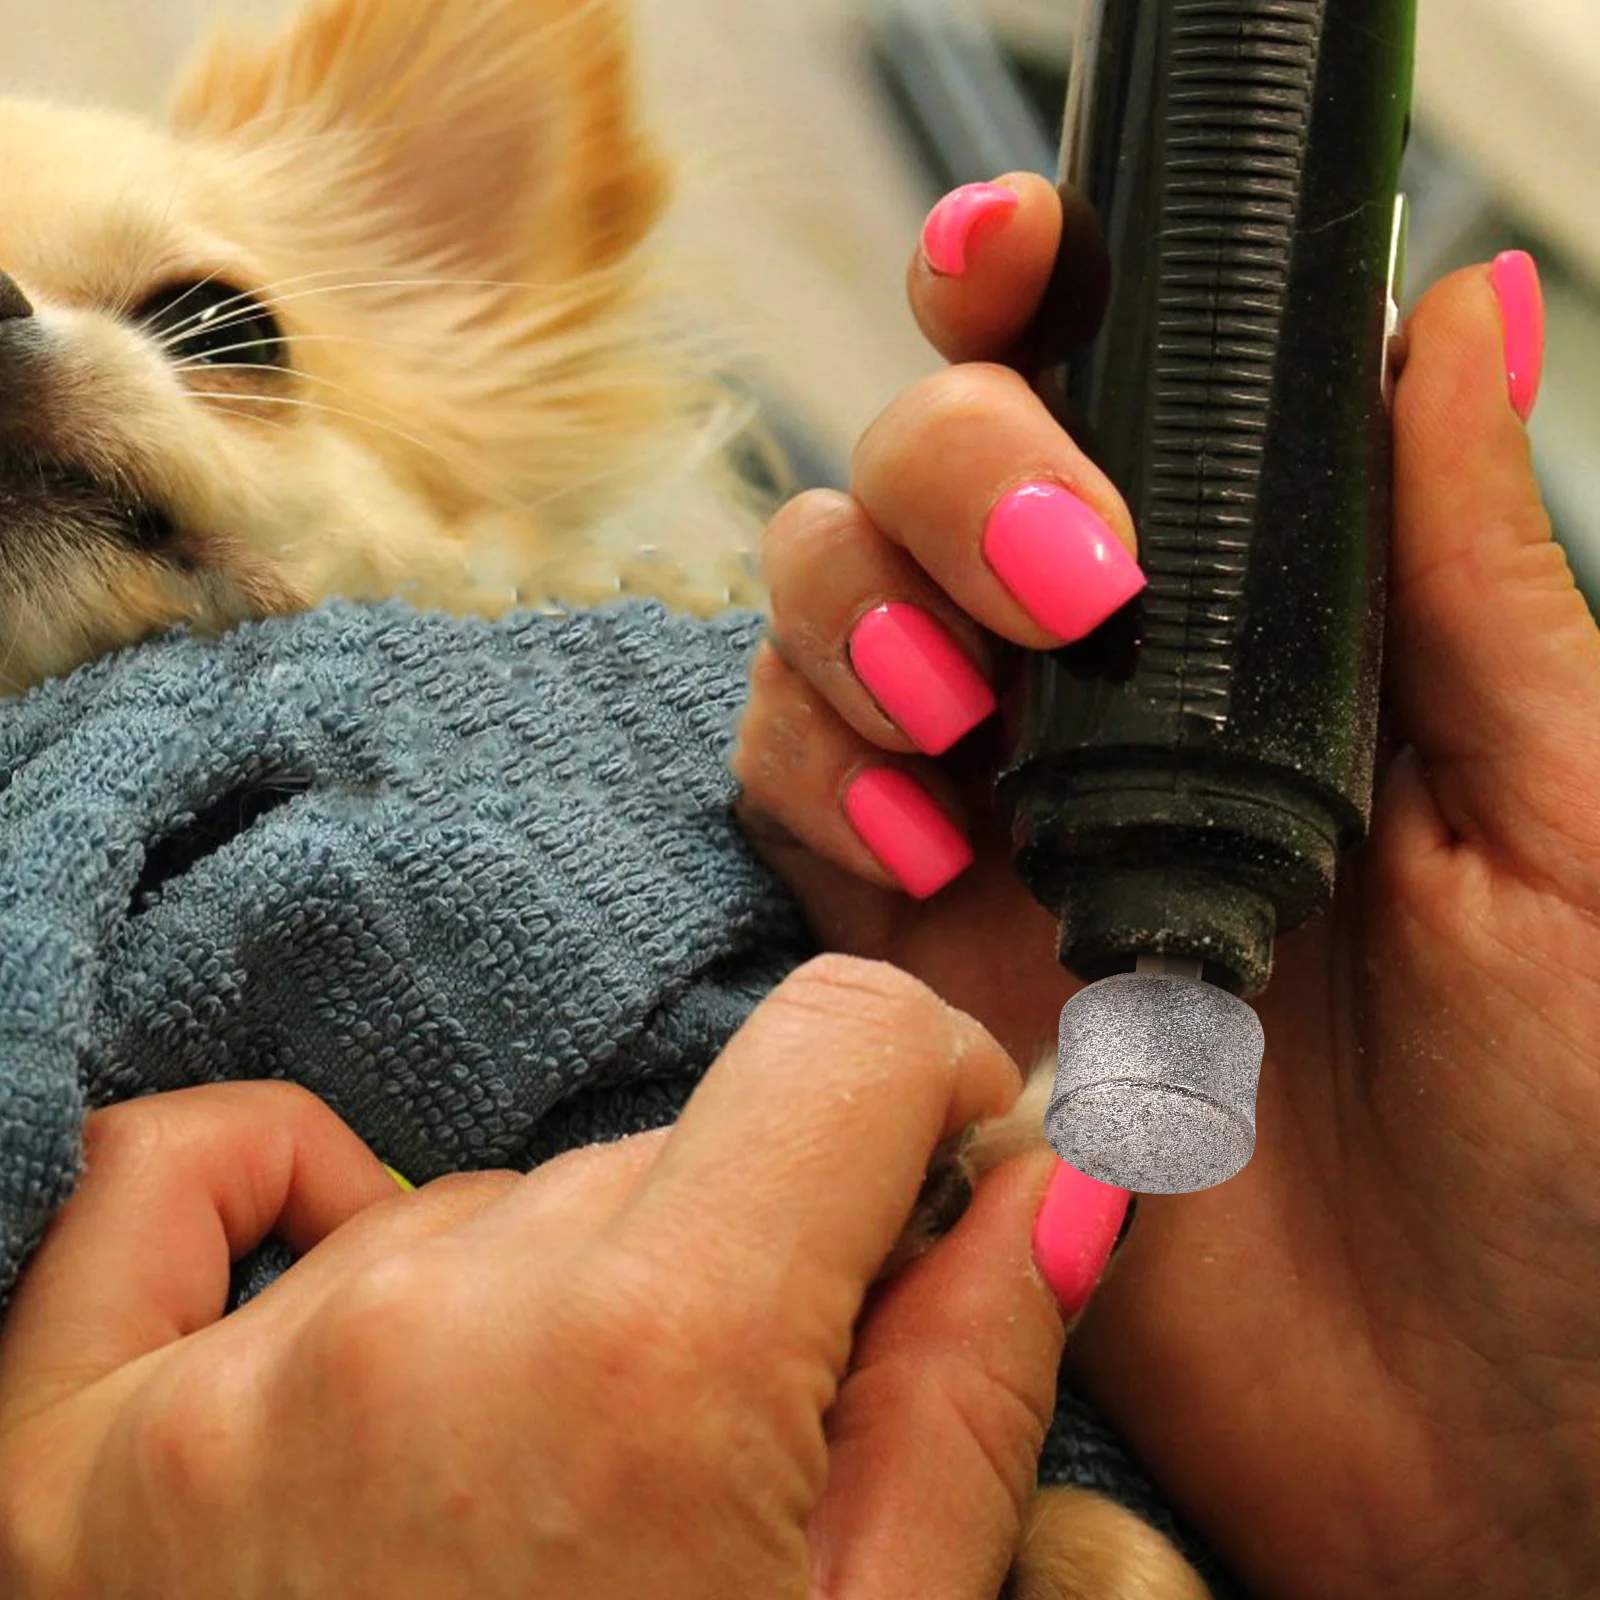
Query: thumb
<point x="1495" y="663"/>
<point x="934" y="1437"/>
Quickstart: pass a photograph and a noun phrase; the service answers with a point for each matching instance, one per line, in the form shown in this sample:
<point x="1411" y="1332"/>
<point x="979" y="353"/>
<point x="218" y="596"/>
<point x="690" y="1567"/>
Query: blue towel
<point x="475" y="884"/>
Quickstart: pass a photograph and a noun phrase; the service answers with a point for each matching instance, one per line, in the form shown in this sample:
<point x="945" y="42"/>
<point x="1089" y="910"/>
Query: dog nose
<point x="14" y="304"/>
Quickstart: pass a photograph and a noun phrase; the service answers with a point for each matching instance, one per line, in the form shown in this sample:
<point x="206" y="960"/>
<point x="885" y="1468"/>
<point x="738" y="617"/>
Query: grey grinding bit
<point x="1156" y="1083"/>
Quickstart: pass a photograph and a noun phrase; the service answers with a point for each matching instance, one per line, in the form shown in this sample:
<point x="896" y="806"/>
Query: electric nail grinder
<point x="1217" y="335"/>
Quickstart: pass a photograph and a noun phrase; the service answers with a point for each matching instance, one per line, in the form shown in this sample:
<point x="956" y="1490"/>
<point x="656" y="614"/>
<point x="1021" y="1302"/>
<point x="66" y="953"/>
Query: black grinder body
<point x="1217" y="336"/>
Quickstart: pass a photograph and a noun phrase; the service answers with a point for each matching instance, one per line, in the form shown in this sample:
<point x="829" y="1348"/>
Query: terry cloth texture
<point x="476" y="885"/>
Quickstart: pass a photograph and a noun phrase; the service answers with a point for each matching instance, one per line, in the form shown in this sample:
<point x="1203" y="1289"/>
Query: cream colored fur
<point x="490" y="394"/>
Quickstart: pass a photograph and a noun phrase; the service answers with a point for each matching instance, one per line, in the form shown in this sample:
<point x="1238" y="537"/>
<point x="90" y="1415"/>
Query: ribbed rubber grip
<point x="1215" y="335"/>
<point x="1239" y="115"/>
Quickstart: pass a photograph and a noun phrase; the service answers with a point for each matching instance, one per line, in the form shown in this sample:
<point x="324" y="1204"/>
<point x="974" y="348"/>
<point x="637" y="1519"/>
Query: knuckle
<point x="948" y="405"/>
<point x="936" y="419"/>
<point x="959" y="394"/>
<point x="871" y="995"/>
<point x="278" y="1094"/>
<point x="961" y="1401"/>
<point x="776" y="736"/>
<point x="866" y="445"/>
<point x="277" y="1109"/>
<point x="459" y="1195"/>
<point x="1007" y="1423"/>
<point x="805" y="511"/>
<point x="809" y="525"/>
<point x="391" y="1321"/>
<point x="130" y="1134"/>
<point x="135" y="1133"/>
<point x="770" y="674"/>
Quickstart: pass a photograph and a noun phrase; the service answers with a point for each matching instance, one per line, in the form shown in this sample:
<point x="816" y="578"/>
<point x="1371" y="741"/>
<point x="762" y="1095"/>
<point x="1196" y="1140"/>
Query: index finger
<point x="801" y="1155"/>
<point x="1005" y="254"/>
<point x="176" y="1188"/>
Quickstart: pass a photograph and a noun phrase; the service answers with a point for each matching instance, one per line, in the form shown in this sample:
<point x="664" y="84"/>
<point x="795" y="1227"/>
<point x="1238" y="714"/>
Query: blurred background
<point x="822" y="131"/>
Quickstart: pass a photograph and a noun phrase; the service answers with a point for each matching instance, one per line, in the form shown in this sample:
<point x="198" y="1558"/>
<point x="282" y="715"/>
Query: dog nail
<point x="909" y="833"/>
<point x="1060" y="559"/>
<point x="1515" y="277"/>
<point x="945" y="1199"/>
<point x="1077" y="1229"/>
<point x="954" y="222"/>
<point x="920" y="676"/>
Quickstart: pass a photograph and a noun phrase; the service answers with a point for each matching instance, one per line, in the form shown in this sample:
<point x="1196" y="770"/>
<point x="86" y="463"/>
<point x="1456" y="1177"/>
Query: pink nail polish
<point x="907" y="831"/>
<point x="1074" y="1235"/>
<point x="920" y="676"/>
<point x="1060" y="559"/>
<point x="1515" y="277"/>
<point x="954" y="222"/>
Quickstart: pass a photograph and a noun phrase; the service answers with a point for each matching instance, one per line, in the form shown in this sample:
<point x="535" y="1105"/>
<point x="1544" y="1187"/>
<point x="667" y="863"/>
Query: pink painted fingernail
<point x="1075" y="1233"/>
<point x="907" y="831"/>
<point x="953" y="223"/>
<point x="1515" y="277"/>
<point x="919" y="675"/>
<point x="1060" y="559"/>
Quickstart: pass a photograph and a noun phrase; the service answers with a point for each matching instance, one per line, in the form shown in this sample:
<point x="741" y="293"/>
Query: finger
<point x="796" y="1165"/>
<point x="175" y="1189"/>
<point x="807" y="776"/>
<point x="868" y="629"/>
<point x="934" y="1440"/>
<point x="1497" y="666"/>
<point x="980" y="269"/>
<point x="969" y="473"/>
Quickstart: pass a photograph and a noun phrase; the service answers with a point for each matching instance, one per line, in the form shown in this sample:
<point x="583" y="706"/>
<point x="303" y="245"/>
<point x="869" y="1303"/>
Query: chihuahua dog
<point x="375" y="313"/>
<point x="372" y="315"/>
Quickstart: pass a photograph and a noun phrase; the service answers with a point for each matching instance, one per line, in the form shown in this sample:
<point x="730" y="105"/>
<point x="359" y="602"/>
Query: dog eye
<point x="211" y="323"/>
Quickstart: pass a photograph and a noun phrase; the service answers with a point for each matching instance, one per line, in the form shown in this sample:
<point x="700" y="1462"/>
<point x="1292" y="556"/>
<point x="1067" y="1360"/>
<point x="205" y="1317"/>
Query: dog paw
<point x="960" y="1162"/>
<point x="1077" y="1545"/>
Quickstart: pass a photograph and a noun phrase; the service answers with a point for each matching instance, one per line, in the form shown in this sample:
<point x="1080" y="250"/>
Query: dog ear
<point x="494" y="138"/>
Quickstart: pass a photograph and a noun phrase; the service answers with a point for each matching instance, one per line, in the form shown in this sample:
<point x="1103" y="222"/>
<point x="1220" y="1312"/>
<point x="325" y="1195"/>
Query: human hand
<point x="608" y="1378"/>
<point x="1368" y="1363"/>
<point x="912" y="570"/>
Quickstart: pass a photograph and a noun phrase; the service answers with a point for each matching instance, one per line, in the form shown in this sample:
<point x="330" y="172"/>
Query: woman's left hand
<point x="1368" y="1364"/>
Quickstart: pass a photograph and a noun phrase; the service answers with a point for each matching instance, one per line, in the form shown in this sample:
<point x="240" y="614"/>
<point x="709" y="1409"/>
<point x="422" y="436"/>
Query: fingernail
<point x="1515" y="277"/>
<point x="953" y="223"/>
<point x="920" y="676"/>
<point x="405" y="1183"/>
<point x="1060" y="559"/>
<point x="1076" y="1231"/>
<point x="907" y="831"/>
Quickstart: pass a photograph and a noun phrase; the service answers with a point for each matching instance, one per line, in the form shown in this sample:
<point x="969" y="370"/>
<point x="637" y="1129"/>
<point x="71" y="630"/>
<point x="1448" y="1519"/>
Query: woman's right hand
<point x="643" y="1369"/>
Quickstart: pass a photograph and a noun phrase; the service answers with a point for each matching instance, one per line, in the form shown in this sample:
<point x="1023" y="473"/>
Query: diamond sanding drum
<point x="1156" y="1083"/>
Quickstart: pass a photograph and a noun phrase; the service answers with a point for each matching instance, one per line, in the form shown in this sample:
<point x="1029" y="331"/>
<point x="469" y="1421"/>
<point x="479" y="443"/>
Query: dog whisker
<point x="457" y="463"/>
<point x="191" y="364"/>
<point x="558" y="304"/>
<point x="373" y="415"/>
